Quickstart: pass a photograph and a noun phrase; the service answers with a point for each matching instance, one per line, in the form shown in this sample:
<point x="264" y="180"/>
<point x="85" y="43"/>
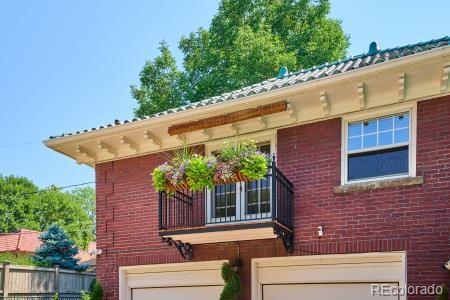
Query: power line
<point x="20" y="144"/>
<point x="53" y="189"/>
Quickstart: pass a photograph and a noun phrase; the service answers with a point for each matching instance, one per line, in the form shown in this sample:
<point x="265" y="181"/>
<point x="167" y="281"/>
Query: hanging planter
<point x="235" y="162"/>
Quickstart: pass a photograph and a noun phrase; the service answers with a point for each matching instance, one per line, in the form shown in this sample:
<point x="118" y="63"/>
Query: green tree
<point x="24" y="205"/>
<point x="57" y="249"/>
<point x="86" y="197"/>
<point x="161" y="84"/>
<point x="15" y="202"/>
<point x="247" y="42"/>
<point x="55" y="207"/>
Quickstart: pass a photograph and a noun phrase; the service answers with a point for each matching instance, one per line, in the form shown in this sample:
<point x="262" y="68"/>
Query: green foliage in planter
<point x="236" y="150"/>
<point x="200" y="172"/>
<point x="255" y="166"/>
<point x="159" y="179"/>
<point x="232" y="283"/>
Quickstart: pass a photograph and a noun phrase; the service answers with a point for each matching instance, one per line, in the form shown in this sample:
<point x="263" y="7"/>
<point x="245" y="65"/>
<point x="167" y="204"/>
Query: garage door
<point x="324" y="277"/>
<point x="178" y="293"/>
<point x="183" y="281"/>
<point x="318" y="291"/>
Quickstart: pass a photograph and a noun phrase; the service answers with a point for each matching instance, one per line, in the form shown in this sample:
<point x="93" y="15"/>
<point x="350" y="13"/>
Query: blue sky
<point x="67" y="65"/>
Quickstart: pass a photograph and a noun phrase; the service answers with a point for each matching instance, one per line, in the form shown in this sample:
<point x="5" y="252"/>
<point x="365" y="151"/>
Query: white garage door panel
<point x="341" y="291"/>
<point x="178" y="293"/>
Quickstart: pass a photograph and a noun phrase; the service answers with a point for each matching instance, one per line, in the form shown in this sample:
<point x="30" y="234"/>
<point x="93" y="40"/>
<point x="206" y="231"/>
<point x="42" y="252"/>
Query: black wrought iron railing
<point x="268" y="199"/>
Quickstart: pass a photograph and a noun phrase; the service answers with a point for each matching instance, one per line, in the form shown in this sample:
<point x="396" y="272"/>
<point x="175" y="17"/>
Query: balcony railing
<point x="268" y="199"/>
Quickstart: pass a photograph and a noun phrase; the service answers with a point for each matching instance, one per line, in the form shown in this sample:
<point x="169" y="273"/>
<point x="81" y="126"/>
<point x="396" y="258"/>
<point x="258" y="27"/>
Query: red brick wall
<point x="414" y="219"/>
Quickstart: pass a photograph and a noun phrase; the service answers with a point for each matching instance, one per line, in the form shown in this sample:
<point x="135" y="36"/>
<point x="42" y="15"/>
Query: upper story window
<point x="379" y="147"/>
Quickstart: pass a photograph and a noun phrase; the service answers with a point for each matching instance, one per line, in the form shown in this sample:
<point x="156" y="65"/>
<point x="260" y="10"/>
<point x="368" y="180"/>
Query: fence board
<point x="37" y="281"/>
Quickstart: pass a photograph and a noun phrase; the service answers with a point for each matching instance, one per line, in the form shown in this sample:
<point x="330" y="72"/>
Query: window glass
<point x="369" y="126"/>
<point x="354" y="129"/>
<point x="378" y="147"/>
<point x="370" y="141"/>
<point x="379" y="163"/>
<point x="379" y="132"/>
<point x="385" y="124"/>
<point x="385" y="138"/>
<point x="354" y="143"/>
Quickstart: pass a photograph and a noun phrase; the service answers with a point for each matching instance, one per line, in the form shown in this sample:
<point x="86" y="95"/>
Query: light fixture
<point x="320" y="230"/>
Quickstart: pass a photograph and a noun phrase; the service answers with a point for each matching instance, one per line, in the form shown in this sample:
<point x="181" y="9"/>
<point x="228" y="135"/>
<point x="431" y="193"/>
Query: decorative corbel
<point x="152" y="139"/>
<point x="129" y="143"/>
<point x="445" y="76"/>
<point x="84" y="152"/>
<point x="292" y="112"/>
<point x="185" y="249"/>
<point x="180" y="138"/>
<point x="205" y="134"/>
<point x="262" y="122"/>
<point x="401" y="86"/>
<point x="361" y="96"/>
<point x="107" y="148"/>
<point x="325" y="103"/>
<point x="233" y="128"/>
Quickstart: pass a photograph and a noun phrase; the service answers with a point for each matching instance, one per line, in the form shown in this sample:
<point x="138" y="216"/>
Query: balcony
<point x="259" y="209"/>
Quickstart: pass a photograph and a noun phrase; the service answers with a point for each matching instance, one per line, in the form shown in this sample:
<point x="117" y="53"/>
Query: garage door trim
<point x="169" y="275"/>
<point x="335" y="268"/>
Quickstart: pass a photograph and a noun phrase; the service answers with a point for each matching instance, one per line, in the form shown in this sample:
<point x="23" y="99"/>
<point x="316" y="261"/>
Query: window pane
<point x="378" y="163"/>
<point x="401" y="135"/>
<point x="370" y="141"/>
<point x="369" y="126"/>
<point x="402" y="120"/>
<point x="354" y="129"/>
<point x="354" y="143"/>
<point x="385" y="124"/>
<point x="265" y="148"/>
<point x="385" y="138"/>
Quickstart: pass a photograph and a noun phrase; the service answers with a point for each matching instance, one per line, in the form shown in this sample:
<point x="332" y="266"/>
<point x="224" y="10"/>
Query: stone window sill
<point x="379" y="184"/>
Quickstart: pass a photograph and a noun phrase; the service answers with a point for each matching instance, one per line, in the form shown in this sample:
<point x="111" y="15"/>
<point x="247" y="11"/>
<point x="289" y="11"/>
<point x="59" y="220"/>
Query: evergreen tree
<point x="57" y="249"/>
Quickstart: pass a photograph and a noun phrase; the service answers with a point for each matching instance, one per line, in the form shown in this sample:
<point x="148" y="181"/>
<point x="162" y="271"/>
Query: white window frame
<point x="378" y="113"/>
<point x="261" y="137"/>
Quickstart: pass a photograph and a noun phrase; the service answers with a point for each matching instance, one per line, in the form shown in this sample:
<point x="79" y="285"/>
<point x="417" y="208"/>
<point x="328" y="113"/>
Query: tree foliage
<point x="24" y="205"/>
<point x="57" y="249"/>
<point x="161" y="84"/>
<point x="247" y="42"/>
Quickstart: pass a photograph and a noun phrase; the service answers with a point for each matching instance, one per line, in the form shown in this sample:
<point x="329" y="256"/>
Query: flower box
<point x="238" y="177"/>
<point x="235" y="162"/>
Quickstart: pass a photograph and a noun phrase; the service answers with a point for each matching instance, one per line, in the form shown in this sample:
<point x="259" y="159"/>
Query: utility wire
<point x="19" y="144"/>
<point x="51" y="189"/>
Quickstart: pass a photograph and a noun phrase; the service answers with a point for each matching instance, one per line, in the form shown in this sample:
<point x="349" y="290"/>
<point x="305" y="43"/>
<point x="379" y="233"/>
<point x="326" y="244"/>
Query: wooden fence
<point x="37" y="281"/>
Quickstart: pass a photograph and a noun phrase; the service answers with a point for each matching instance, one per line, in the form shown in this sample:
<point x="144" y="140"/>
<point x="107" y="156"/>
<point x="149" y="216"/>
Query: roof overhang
<point x="415" y="77"/>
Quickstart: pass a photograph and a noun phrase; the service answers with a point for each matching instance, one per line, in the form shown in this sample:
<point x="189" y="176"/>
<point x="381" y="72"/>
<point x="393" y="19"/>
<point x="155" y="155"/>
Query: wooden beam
<point x="127" y="142"/>
<point x="401" y="86"/>
<point x="152" y="139"/>
<point x="361" y="96"/>
<point x="107" y="148"/>
<point x="445" y="76"/>
<point x="325" y="103"/>
<point x="229" y="118"/>
<point x="86" y="153"/>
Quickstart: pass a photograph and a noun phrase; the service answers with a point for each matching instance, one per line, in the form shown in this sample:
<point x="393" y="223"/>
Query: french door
<point x="240" y="201"/>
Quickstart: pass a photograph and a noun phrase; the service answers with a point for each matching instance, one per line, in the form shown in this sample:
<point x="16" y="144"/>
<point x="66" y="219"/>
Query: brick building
<point x="358" y="194"/>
